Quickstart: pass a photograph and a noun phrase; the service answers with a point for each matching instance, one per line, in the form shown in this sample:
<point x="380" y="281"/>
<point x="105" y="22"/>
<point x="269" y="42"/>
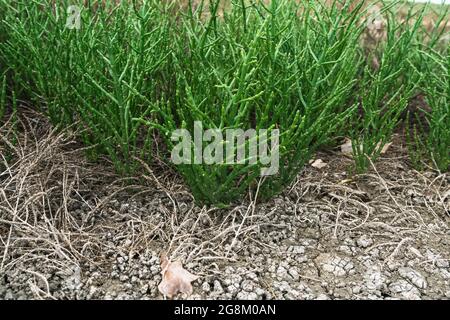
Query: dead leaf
<point x="175" y="279"/>
<point x="385" y="148"/>
<point x="346" y="147"/>
<point x="416" y="252"/>
<point x="319" y="164"/>
<point x="345" y="181"/>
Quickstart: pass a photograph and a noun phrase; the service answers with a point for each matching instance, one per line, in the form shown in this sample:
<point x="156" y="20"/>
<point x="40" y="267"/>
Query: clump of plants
<point x="99" y="72"/>
<point x="285" y="66"/>
<point x="285" y="77"/>
<point x="428" y="130"/>
<point x="387" y="85"/>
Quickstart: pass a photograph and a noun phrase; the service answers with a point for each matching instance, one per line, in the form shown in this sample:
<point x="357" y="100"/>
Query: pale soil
<point x="70" y="229"/>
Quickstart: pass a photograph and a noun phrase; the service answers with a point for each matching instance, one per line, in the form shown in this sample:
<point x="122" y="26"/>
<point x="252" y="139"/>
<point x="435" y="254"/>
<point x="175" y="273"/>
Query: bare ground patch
<point x="70" y="228"/>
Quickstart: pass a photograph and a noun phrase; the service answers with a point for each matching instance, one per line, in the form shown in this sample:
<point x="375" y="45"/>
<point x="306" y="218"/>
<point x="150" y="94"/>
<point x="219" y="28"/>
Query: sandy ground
<point x="71" y="229"/>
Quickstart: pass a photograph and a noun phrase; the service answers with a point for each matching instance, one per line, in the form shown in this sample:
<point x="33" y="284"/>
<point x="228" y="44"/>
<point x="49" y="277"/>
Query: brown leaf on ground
<point x="385" y="148"/>
<point x="346" y="147"/>
<point x="319" y="164"/>
<point x="175" y="278"/>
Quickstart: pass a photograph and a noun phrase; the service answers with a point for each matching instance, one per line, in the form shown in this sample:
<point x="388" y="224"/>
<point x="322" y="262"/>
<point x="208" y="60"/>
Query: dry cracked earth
<point x="72" y="229"/>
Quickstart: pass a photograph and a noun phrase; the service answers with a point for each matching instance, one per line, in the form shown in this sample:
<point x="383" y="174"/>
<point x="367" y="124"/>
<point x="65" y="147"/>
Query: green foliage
<point x="140" y="67"/>
<point x="438" y="97"/>
<point x="280" y="66"/>
<point x="2" y="98"/>
<point x="414" y="142"/>
<point x="386" y="88"/>
<point x="431" y="133"/>
<point x="100" y="76"/>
